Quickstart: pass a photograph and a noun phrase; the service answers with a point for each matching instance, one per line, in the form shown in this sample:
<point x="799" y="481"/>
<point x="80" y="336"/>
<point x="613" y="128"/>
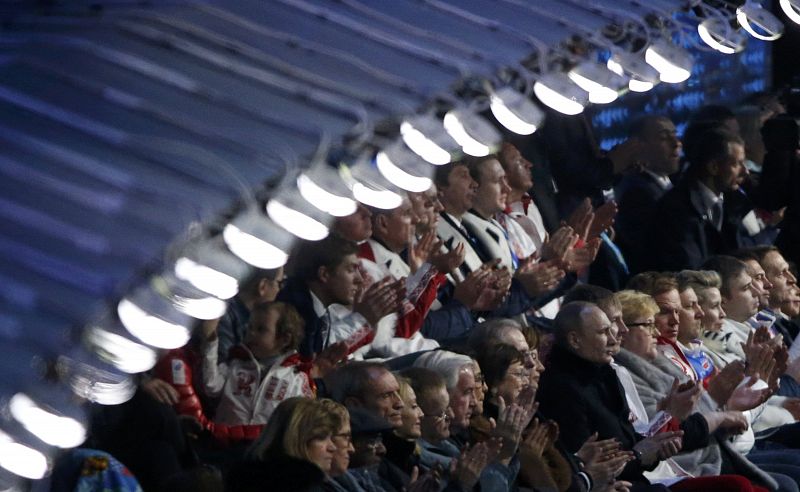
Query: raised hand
<point x="540" y="278"/>
<point x="578" y="259"/>
<point x="510" y="424"/>
<point x="594" y="450"/>
<point x="558" y="244"/>
<point x="537" y="439"/>
<point x="604" y="216"/>
<point x="681" y="399"/>
<point x="744" y="397"/>
<point x="382" y="298"/>
<point x="581" y="219"/>
<point x="721" y="387"/>
<point x="449" y="261"/>
<point x="469" y="291"/>
<point x="419" y="251"/>
<point x="329" y="358"/>
<point x="467" y="468"/>
<point x="659" y="447"/>
<point x="161" y="391"/>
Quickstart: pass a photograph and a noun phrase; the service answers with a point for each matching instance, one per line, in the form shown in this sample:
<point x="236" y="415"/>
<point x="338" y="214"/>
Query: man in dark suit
<point x="691" y="222"/>
<point x="637" y="193"/>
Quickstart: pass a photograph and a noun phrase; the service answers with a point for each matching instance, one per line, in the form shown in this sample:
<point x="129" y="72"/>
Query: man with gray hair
<point x="367" y="385"/>
<point x="459" y="376"/>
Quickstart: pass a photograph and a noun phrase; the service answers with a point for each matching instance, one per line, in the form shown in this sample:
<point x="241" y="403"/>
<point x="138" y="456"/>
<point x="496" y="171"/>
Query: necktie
<point x="325" y="328"/>
<point x="716" y="215"/>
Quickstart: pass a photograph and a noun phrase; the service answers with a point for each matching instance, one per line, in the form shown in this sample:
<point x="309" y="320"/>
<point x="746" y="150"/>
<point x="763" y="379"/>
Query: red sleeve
<point x="175" y="367"/>
<point x="411" y="322"/>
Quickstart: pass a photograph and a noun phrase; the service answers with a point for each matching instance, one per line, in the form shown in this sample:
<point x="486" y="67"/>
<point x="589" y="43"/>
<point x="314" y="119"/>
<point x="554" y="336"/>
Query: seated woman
<point x="655" y="396"/>
<point x="294" y="452"/>
<point x="402" y="449"/>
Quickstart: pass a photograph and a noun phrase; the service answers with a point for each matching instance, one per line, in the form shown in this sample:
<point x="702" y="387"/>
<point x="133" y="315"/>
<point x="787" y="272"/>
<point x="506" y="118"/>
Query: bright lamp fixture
<point x="759" y="22"/>
<point x="22" y="460"/>
<point x="597" y="80"/>
<point x="399" y="177"/>
<point x="124" y="354"/>
<point x="296" y="222"/>
<point x="383" y="199"/>
<point x="336" y="205"/>
<point x="475" y="136"/>
<point x="674" y="64"/>
<point x="411" y="131"/>
<point x="643" y="77"/>
<point x="206" y="279"/>
<point x="792" y="9"/>
<point x="56" y="430"/>
<point x="246" y="237"/>
<point x="515" y="111"/>
<point x="150" y="329"/>
<point x="717" y="34"/>
<point x="557" y="91"/>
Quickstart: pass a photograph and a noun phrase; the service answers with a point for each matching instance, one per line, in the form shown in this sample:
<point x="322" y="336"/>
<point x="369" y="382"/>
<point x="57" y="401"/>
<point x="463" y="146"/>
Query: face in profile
<point x="320" y="451"/>
<point x="594" y="341"/>
<point x="713" y="313"/>
<point x="462" y="398"/>
<point x="411" y="428"/>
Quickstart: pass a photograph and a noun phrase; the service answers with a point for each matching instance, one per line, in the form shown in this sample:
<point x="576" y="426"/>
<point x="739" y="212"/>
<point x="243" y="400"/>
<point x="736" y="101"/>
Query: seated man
<point x="326" y="287"/>
<point x="638" y="193"/>
<point x="261" y="373"/>
<point x="581" y="392"/>
<point x="691" y="222"/>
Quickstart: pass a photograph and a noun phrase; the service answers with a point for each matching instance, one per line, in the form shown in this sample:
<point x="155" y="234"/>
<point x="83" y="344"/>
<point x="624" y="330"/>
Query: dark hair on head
<point x="705" y="119"/>
<point x="475" y="165"/>
<point x="250" y="286"/>
<point x="595" y="294"/>
<point x="640" y="125"/>
<point x="496" y="360"/>
<point x="441" y="174"/>
<point x="425" y="382"/>
<point x="653" y="283"/>
<point x="309" y="256"/>
<point x="290" y="324"/>
<point x="351" y="379"/>
<point x="569" y="319"/>
<point x="713" y="145"/>
<point x="728" y="267"/>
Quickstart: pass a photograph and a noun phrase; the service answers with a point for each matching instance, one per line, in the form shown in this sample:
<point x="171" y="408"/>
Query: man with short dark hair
<point x="637" y="193"/>
<point x="581" y="392"/>
<point x="326" y="287"/>
<point x="691" y="222"/>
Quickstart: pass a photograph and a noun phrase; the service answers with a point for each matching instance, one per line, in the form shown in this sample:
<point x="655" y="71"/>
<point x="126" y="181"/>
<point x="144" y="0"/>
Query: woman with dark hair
<point x="294" y="452"/>
<point x="505" y="375"/>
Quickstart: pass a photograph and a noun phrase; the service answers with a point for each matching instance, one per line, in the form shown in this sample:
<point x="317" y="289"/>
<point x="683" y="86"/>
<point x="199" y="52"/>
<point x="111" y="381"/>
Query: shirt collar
<point x="663" y="181"/>
<point x="319" y="308"/>
<point x="707" y="196"/>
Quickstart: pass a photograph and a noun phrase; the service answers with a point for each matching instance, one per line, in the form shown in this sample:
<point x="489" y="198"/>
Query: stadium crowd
<point x="549" y="317"/>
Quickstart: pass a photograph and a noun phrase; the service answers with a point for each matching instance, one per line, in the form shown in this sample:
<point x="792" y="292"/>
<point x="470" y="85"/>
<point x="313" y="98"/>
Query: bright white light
<point x="336" y="205"/>
<point x="423" y="146"/>
<point x="151" y="330"/>
<point x="105" y="393"/>
<point x="508" y="118"/>
<point x="792" y="9"/>
<point x="598" y="94"/>
<point x="639" y="86"/>
<point x="298" y="223"/>
<point x="205" y="308"/>
<point x="468" y="144"/>
<point x="53" y="429"/>
<point x="22" y="460"/>
<point x="715" y="33"/>
<point x="124" y="354"/>
<point x="759" y="22"/>
<point x="399" y="177"/>
<point x="670" y="61"/>
<point x="554" y="90"/>
<point x="615" y="67"/>
<point x="253" y="250"/>
<point x="206" y="279"/>
<point x="384" y="199"/>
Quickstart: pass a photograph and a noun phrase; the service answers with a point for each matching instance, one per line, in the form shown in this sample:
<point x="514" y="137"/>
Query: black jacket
<point x="583" y="398"/>
<point x="278" y="472"/>
<point x="637" y="195"/>
<point x="682" y="236"/>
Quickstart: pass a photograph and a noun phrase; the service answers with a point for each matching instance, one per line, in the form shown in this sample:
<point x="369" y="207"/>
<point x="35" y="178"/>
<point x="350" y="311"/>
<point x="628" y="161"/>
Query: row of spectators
<point x="498" y="332"/>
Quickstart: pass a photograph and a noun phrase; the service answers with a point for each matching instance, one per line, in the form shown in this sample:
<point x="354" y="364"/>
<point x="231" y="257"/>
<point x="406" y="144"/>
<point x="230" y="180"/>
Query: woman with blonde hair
<point x="294" y="452"/>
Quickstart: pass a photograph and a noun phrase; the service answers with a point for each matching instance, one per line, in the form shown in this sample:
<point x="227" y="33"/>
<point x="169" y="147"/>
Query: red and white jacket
<point x="249" y="393"/>
<point x="398" y="334"/>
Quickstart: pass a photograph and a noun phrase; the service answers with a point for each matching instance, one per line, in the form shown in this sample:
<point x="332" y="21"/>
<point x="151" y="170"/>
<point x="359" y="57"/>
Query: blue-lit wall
<point x="716" y="79"/>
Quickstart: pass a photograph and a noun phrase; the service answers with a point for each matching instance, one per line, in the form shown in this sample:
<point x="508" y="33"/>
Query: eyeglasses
<point x="647" y="324"/>
<point x="373" y="442"/>
<point x="520" y="374"/>
<point x="444" y="416"/>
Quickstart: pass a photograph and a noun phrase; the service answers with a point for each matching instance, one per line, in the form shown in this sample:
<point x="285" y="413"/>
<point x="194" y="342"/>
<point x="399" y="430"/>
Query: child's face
<point x="263" y="339"/>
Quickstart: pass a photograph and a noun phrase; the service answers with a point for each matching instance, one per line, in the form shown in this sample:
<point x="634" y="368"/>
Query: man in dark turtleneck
<point x="581" y="392"/>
